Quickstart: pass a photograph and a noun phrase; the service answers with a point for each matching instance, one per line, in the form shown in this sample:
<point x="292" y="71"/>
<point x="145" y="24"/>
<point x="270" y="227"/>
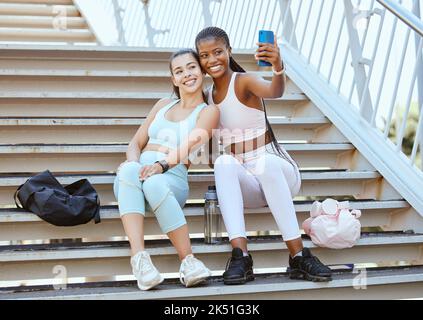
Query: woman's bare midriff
<point x="249" y="145"/>
<point x="157" y="147"/>
<point x="160" y="148"/>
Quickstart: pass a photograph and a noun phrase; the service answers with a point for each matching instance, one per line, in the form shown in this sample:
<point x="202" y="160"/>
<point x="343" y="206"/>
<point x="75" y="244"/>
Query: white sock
<point x="299" y="254"/>
<point x="245" y="254"/>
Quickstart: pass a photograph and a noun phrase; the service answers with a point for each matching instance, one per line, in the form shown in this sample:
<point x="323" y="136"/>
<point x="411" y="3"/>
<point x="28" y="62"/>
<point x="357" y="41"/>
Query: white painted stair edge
<point x="272" y="285"/>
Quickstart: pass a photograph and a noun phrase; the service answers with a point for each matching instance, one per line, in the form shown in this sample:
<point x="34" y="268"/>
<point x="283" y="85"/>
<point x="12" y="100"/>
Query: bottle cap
<point x="211" y="193"/>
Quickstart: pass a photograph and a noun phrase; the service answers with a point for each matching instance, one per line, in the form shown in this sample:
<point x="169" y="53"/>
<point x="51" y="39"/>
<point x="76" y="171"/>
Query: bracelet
<point x="279" y="73"/>
<point x="164" y="165"/>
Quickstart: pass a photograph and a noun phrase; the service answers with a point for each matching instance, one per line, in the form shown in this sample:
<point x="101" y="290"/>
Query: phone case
<point x="265" y="36"/>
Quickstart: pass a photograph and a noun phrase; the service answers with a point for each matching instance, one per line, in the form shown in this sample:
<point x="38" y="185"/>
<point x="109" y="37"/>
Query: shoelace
<point x="189" y="263"/>
<point x="312" y="263"/>
<point x="143" y="264"/>
<point x="232" y="261"/>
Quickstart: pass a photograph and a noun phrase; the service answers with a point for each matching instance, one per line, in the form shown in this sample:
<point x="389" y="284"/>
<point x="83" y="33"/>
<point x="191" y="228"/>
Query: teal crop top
<point x="170" y="133"/>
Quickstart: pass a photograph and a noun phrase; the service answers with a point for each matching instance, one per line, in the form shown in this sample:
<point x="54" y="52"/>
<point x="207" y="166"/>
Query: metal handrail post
<point x="360" y="76"/>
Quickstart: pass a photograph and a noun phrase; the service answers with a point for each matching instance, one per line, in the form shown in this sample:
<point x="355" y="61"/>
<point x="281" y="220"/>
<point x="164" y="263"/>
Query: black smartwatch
<point x="164" y="165"/>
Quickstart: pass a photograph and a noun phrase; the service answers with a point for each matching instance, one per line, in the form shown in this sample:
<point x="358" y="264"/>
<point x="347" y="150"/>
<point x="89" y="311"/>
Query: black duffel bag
<point x="74" y="204"/>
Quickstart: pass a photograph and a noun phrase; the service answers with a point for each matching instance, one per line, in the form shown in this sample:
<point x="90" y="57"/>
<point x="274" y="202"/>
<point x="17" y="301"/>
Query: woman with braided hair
<point x="255" y="170"/>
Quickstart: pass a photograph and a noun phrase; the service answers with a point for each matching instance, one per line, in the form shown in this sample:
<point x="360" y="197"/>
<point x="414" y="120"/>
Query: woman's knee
<point x="226" y="165"/>
<point x="268" y="166"/>
<point x="226" y="159"/>
<point x="272" y="168"/>
<point x="130" y="171"/>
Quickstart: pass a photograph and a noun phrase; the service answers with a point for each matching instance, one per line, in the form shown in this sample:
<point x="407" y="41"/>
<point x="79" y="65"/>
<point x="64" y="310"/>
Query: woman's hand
<point x="150" y="170"/>
<point x="270" y="53"/>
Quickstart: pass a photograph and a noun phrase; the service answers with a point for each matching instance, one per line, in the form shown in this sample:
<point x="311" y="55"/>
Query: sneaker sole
<point x="156" y="282"/>
<point x="249" y="276"/>
<point x="198" y="279"/>
<point x="300" y="275"/>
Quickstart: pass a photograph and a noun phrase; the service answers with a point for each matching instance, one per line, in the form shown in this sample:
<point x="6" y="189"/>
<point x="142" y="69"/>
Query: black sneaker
<point x="308" y="267"/>
<point x="239" y="269"/>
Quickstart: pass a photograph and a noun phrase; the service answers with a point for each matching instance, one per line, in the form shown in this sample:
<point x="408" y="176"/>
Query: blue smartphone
<point x="265" y="36"/>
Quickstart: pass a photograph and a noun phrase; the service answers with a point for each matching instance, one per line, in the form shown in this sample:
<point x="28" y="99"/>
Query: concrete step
<point x="384" y="283"/>
<point x="119" y="148"/>
<point x="118" y="80"/>
<point x="360" y="184"/>
<point x="17" y="179"/>
<point x="18" y="225"/>
<point x="131" y="84"/>
<point x="65" y="72"/>
<point x="37" y="9"/>
<point x="51" y="2"/>
<point x="107" y="157"/>
<point x="121" y="130"/>
<point x="50" y="35"/>
<point x="381" y="283"/>
<point x="106" y="95"/>
<point x="128" y="108"/>
<point x="99" y="58"/>
<point x="103" y="121"/>
<point x="112" y="258"/>
<point x="40" y="22"/>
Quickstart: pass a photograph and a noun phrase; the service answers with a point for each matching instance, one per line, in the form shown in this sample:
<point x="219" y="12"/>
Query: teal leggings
<point x="163" y="194"/>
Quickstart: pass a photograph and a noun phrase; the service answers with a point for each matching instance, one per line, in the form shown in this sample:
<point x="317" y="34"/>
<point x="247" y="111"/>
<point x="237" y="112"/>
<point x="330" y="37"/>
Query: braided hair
<point x="217" y="33"/>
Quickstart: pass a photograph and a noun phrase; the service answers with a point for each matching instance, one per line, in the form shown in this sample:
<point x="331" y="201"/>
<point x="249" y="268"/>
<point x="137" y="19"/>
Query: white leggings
<point x="255" y="180"/>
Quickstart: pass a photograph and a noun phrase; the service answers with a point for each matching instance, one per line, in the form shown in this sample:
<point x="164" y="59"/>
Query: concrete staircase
<point x="41" y="21"/>
<point x="73" y="111"/>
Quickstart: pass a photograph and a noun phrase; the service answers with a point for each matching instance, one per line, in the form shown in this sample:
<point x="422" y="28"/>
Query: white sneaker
<point x="192" y="271"/>
<point x="146" y="273"/>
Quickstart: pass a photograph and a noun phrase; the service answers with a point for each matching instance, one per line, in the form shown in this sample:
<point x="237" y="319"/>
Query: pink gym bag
<point x="333" y="225"/>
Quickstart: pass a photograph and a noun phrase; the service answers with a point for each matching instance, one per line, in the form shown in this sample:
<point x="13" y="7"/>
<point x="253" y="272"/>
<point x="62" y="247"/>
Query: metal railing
<point x="380" y="86"/>
<point x="369" y="52"/>
<point x="407" y="17"/>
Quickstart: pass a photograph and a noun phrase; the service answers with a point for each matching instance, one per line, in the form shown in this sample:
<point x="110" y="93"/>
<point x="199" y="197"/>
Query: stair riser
<point x="324" y="188"/>
<point x="169" y="263"/>
<point x="62" y="2"/>
<point x="59" y="38"/>
<point x="78" y="134"/>
<point x="125" y="108"/>
<point x="38" y="10"/>
<point x="92" y="84"/>
<point x="113" y="227"/>
<point x="42" y="22"/>
<point x="46" y="35"/>
<point x="104" y="162"/>
<point x="156" y="65"/>
<point x="406" y="220"/>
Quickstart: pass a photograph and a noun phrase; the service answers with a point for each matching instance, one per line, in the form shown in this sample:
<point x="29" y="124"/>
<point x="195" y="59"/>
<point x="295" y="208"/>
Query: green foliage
<point x="410" y="129"/>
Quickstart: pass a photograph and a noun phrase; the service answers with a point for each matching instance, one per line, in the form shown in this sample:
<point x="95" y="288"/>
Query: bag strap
<point x="97" y="218"/>
<point x="15" y="196"/>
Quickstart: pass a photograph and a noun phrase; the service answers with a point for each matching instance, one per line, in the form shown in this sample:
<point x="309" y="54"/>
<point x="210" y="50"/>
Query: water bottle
<point x="212" y="217"/>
